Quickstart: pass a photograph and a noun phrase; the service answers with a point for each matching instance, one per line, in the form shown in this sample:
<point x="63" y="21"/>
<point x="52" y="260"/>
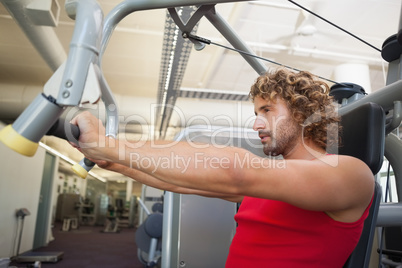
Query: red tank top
<point x="275" y="234"/>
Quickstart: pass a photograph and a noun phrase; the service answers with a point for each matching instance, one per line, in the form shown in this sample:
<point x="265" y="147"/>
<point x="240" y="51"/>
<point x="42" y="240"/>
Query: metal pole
<point x="20" y="236"/>
<point x="226" y="30"/>
<point x="129" y="6"/>
<point x="384" y="97"/>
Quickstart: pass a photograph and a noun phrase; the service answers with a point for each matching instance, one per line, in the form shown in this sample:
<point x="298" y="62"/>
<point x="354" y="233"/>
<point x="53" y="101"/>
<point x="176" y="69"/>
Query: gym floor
<point x="88" y="247"/>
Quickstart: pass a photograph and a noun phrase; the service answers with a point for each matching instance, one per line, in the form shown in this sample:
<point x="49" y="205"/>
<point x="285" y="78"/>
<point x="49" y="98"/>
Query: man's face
<point x="278" y="132"/>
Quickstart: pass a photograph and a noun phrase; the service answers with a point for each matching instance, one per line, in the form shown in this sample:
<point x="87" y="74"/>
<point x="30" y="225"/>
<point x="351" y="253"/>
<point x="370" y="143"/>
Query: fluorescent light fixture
<point x="69" y="160"/>
<point x="96" y="176"/>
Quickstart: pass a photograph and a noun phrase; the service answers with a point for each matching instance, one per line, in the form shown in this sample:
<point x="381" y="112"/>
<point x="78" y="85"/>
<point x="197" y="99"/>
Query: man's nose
<point x="259" y="123"/>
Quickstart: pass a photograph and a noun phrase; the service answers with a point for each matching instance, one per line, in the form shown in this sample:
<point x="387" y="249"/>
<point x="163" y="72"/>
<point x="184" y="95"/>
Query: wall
<point x="20" y="182"/>
<point x="67" y="183"/>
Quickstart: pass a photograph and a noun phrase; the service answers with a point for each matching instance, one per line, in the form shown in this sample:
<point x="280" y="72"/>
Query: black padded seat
<point x="363" y="137"/>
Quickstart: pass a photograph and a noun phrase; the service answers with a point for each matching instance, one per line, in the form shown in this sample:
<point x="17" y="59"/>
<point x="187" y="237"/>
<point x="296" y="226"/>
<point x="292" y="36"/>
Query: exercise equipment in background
<point x="32" y="256"/>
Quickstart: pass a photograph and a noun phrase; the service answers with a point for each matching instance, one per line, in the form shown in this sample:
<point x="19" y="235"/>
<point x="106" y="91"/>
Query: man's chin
<point x="270" y="151"/>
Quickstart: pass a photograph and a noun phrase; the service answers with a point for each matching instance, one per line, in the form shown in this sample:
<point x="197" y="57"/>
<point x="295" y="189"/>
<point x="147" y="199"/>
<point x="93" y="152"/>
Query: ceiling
<point x="275" y="29"/>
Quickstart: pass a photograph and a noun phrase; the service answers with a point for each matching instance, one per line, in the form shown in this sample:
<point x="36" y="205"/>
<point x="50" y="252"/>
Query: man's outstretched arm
<point x="159" y="184"/>
<point x="345" y="185"/>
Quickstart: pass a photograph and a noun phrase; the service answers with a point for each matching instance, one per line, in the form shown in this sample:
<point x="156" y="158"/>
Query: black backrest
<point x="363" y="137"/>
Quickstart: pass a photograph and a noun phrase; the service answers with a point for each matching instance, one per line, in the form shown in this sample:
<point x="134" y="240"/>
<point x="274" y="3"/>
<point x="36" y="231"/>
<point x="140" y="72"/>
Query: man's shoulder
<point x="343" y="160"/>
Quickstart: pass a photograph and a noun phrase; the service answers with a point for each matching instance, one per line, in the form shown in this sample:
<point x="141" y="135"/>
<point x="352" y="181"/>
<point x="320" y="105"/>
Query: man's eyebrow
<point x="262" y="108"/>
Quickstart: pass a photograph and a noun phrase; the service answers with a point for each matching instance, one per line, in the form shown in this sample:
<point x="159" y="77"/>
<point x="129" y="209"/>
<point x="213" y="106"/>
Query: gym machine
<point x="149" y="235"/>
<point x="32" y="256"/>
<point x="80" y="80"/>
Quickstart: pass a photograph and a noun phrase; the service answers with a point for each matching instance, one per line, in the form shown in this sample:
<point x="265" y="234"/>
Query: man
<point x="307" y="210"/>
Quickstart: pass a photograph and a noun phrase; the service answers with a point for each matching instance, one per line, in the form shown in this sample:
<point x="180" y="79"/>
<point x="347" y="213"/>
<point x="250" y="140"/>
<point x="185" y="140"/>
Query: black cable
<point x="255" y="56"/>
<point x="336" y="26"/>
<point x="206" y="41"/>
<point x="209" y="42"/>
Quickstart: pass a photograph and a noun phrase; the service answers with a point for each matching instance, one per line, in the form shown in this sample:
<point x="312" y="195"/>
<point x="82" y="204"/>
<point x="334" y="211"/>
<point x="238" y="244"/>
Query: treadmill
<point x="33" y="256"/>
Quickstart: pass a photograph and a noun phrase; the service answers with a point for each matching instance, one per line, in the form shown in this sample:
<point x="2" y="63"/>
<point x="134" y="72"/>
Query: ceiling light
<point x="69" y="160"/>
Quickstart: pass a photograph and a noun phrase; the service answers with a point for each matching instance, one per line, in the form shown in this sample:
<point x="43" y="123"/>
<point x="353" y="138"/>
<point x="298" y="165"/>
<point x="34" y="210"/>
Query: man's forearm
<point x="162" y="185"/>
<point x="205" y="168"/>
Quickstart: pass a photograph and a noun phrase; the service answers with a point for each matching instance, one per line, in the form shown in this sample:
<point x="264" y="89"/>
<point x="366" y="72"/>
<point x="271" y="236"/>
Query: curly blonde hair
<point x="308" y="100"/>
